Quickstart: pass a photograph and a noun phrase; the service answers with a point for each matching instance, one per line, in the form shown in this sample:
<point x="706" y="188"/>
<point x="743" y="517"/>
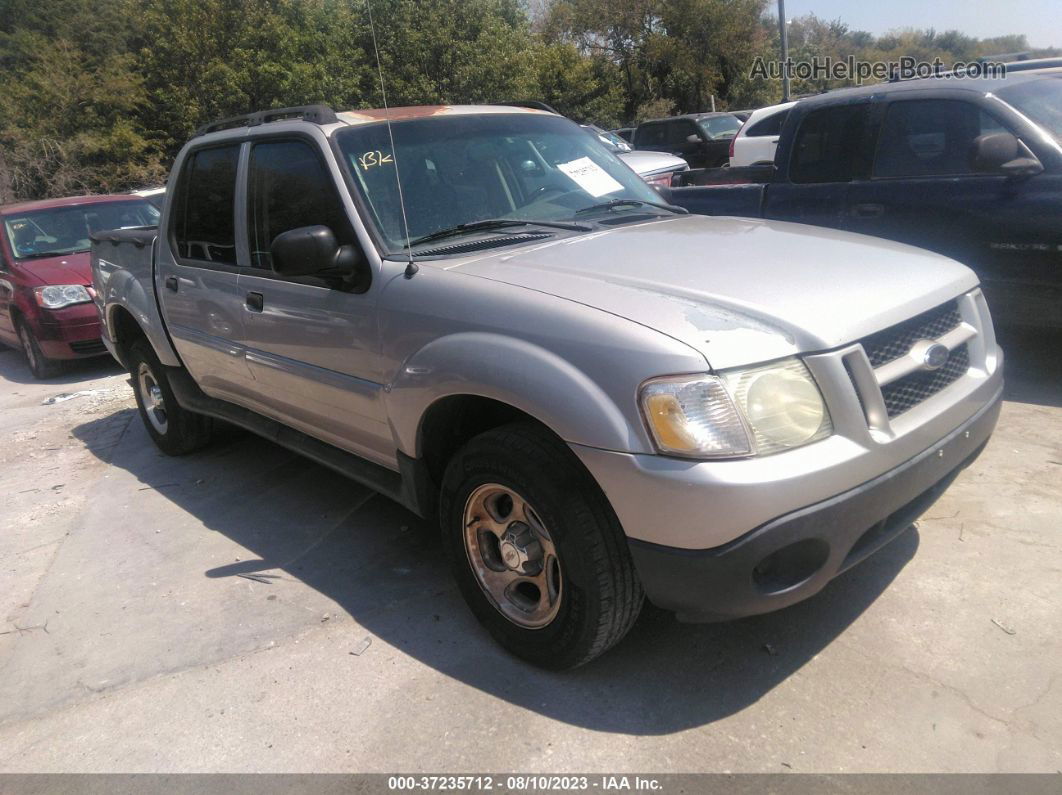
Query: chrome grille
<point x="907" y="392"/>
<point x="895" y="341"/>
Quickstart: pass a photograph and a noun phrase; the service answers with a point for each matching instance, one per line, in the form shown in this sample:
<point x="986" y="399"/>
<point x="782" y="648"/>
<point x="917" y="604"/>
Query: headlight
<point x="758" y="411"/>
<point x="56" y="296"/>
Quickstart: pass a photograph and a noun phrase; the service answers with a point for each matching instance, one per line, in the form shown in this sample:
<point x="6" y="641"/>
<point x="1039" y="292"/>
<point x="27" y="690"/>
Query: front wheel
<point x="173" y="428"/>
<point x="40" y="365"/>
<point x="536" y="549"/>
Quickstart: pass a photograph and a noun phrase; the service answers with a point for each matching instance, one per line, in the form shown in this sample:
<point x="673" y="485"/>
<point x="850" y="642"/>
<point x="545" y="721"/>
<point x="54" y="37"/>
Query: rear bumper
<point x="794" y="556"/>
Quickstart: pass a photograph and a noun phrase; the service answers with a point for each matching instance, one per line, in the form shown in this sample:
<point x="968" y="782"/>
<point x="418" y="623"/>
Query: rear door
<point x="198" y="266"/>
<point x="831" y="147"/>
<point x="312" y="344"/>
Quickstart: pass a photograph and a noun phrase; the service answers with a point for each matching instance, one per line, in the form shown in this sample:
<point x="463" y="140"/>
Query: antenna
<point x="411" y="266"/>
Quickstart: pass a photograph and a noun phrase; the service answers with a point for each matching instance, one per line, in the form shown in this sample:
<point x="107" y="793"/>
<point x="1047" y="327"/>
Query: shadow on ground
<point x="384" y="566"/>
<point x="1032" y="365"/>
<point x="13" y="368"/>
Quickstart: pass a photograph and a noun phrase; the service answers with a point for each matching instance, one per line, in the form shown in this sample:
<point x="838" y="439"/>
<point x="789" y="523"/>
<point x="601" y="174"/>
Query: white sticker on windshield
<point x="589" y="176"/>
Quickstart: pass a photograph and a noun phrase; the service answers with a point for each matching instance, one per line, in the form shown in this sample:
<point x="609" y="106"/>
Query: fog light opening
<point x="790" y="566"/>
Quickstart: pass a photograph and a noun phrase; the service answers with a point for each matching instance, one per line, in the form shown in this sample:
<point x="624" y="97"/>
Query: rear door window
<point x="933" y="137"/>
<point x="831" y="145"/>
<point x="205" y="228"/>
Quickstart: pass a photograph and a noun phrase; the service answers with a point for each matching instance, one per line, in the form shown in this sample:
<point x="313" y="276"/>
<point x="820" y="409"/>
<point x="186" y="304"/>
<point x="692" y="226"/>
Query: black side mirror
<point x="693" y="138"/>
<point x="1003" y="153"/>
<point x="314" y="250"/>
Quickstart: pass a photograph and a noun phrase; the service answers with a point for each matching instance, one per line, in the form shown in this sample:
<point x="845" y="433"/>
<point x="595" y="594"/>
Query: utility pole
<point x="784" y="35"/>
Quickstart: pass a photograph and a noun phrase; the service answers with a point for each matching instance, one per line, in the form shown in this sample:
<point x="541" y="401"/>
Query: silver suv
<point x="483" y="314"/>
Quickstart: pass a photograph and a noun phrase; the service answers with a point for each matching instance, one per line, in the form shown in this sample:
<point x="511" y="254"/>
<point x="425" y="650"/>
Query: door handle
<point x="868" y="210"/>
<point x="171" y="283"/>
<point x="255" y="302"/>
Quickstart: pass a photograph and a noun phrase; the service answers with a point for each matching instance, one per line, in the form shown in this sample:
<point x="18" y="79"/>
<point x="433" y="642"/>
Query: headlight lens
<point x="758" y="411"/>
<point x="782" y="404"/>
<point x="56" y="296"/>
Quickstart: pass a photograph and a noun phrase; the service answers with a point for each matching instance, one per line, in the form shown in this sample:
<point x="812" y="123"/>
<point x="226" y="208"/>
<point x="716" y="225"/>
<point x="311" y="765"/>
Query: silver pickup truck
<point x="483" y="314"/>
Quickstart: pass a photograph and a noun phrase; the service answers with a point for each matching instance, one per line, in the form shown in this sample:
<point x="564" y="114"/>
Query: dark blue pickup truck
<point x="969" y="167"/>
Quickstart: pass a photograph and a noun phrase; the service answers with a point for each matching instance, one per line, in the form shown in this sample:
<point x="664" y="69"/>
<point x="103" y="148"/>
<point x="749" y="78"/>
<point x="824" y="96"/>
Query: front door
<point x="197" y="273"/>
<point x="312" y="343"/>
<point x="924" y="190"/>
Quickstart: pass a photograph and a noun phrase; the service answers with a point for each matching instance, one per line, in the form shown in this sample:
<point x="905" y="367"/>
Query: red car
<point x="46" y="304"/>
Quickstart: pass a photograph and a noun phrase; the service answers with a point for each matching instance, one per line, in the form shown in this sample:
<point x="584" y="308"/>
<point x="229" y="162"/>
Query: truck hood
<point x="64" y="269"/>
<point x="738" y="290"/>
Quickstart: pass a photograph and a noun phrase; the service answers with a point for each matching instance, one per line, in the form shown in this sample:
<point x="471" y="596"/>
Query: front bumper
<point x="792" y="557"/>
<point x="69" y="333"/>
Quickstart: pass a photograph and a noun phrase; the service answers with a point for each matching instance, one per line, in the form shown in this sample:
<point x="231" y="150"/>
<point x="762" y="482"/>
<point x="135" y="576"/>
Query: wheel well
<point x="125" y="331"/>
<point x="452" y="421"/>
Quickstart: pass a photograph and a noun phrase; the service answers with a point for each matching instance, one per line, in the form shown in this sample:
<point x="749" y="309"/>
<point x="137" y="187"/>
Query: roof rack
<point x="316" y="114"/>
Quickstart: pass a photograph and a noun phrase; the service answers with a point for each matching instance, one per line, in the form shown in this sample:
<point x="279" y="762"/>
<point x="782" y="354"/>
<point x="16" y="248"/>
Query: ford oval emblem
<point x="935" y="357"/>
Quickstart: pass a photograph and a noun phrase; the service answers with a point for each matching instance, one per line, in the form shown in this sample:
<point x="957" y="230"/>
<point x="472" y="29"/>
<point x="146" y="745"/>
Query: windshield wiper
<point x="613" y="203"/>
<point x="43" y="254"/>
<point x="495" y="223"/>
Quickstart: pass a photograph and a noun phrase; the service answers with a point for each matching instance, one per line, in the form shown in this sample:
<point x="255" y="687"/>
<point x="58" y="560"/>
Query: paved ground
<point x="243" y="609"/>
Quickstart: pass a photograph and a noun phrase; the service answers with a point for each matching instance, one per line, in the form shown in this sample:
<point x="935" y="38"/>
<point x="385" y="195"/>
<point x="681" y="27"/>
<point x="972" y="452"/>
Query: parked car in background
<point x="656" y="168"/>
<point x="609" y="139"/>
<point x="626" y="133"/>
<point x="154" y="195"/>
<point x="757" y="140"/>
<point x="743" y="115"/>
<point x="45" y="279"/>
<point x="659" y="169"/>
<point x="968" y="167"/>
<point x="599" y="397"/>
<point x="701" y="139"/>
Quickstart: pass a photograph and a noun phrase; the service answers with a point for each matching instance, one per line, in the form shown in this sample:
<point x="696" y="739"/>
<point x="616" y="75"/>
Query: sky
<point x="1039" y="20"/>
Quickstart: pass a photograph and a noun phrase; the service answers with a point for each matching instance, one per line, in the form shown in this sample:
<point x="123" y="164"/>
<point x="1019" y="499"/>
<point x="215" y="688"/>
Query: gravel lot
<point x="243" y="609"/>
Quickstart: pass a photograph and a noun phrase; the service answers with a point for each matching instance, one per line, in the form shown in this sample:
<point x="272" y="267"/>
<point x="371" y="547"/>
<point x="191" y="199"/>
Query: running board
<point x="406" y="487"/>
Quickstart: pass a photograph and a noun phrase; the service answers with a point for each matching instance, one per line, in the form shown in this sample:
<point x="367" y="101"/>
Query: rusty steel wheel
<point x="513" y="556"/>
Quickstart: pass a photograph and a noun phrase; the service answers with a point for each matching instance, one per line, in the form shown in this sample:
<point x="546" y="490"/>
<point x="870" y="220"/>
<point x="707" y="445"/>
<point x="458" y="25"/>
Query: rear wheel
<point x="39" y="364"/>
<point x="173" y="428"/>
<point x="536" y="549"/>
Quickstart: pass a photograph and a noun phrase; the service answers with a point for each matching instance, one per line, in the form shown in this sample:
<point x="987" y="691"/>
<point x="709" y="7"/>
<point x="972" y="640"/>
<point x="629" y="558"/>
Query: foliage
<point x="98" y="95"/>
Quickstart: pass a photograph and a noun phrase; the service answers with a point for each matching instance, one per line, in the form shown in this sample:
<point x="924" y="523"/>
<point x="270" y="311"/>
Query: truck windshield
<point x="461" y="169"/>
<point x="66" y="230"/>
<point x="1040" y="100"/>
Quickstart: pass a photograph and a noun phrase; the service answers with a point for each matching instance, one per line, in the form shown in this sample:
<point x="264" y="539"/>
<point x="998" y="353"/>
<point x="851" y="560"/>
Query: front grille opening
<point x="896" y="341"/>
<point x="88" y="346"/>
<point x="907" y="392"/>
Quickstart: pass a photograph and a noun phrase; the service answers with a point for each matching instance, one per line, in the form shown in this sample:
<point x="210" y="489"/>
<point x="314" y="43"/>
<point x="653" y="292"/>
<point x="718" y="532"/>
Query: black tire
<point x="174" y="429"/>
<point x="40" y="365"/>
<point x="600" y="594"/>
